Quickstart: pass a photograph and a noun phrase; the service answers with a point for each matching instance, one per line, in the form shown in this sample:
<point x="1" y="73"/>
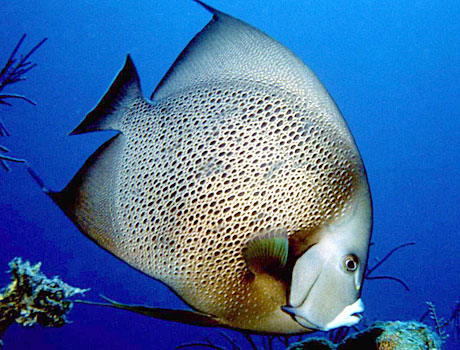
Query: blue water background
<point x="393" y="68"/>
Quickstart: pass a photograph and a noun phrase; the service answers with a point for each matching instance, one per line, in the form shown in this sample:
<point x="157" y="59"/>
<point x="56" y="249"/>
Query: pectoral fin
<point x="267" y="252"/>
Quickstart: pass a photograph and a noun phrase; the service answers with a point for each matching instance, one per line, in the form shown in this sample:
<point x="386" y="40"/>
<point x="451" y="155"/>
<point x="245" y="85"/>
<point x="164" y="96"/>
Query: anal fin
<point x="194" y="318"/>
<point x="89" y="198"/>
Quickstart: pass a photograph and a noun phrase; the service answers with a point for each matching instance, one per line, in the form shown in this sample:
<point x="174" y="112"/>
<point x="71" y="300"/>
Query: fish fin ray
<point x="230" y="48"/>
<point x="195" y="318"/>
<point x="124" y="90"/>
<point x="267" y="251"/>
<point x="88" y="199"/>
<point x="207" y="7"/>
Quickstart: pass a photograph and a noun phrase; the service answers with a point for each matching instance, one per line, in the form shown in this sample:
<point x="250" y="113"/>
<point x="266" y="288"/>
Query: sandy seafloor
<point x="393" y="68"/>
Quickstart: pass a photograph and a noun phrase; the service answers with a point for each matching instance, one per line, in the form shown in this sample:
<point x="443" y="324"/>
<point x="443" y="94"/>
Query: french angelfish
<point x="238" y="185"/>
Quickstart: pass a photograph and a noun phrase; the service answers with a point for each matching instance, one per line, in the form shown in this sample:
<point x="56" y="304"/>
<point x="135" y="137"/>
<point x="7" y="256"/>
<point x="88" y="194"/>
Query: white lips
<point x="348" y="317"/>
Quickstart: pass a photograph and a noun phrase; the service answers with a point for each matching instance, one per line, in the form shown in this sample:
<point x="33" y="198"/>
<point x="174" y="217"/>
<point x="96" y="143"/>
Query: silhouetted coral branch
<point x="379" y="263"/>
<point x="16" y="68"/>
<point x="230" y="340"/>
<point x="400" y="281"/>
<point x="338" y="334"/>
<point x="250" y="340"/>
<point x="21" y="97"/>
<point x="14" y="71"/>
<point x="265" y="342"/>
<point x="4" y="158"/>
<point x="198" y="345"/>
<point x="387" y="256"/>
<point x="3" y="130"/>
<point x="269" y="339"/>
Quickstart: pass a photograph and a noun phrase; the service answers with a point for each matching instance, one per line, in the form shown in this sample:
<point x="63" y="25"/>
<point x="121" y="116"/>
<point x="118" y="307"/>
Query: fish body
<point x="236" y="185"/>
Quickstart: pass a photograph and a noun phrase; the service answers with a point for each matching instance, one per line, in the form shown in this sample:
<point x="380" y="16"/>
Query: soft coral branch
<point x="12" y="72"/>
<point x="31" y="298"/>
<point x="16" y="68"/>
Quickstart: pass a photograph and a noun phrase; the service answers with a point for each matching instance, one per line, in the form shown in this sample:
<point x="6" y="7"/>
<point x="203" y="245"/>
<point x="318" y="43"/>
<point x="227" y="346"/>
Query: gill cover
<point x="327" y="278"/>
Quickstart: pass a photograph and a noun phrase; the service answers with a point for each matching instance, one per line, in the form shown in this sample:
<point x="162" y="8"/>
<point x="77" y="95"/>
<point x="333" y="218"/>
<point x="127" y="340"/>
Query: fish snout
<point x="348" y="317"/>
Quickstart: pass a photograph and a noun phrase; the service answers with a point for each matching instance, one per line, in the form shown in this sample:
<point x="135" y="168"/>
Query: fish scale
<point x="223" y="176"/>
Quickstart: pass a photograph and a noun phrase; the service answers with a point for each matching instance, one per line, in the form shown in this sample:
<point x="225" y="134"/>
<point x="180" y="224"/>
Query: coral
<point x="31" y="298"/>
<point x="395" y="335"/>
<point x="407" y="335"/>
<point x="445" y="326"/>
<point x="440" y="323"/>
<point x="13" y="72"/>
<point x="370" y="270"/>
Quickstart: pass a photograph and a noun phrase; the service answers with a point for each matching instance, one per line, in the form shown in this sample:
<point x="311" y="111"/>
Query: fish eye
<point x="350" y="263"/>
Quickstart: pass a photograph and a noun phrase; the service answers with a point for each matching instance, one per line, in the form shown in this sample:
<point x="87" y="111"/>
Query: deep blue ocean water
<point x="392" y="67"/>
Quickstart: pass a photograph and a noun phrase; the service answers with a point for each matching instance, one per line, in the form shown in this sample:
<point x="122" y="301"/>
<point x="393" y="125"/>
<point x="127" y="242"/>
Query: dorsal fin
<point x="228" y="49"/>
<point x="207" y="7"/>
<point x="124" y="90"/>
<point x="268" y="251"/>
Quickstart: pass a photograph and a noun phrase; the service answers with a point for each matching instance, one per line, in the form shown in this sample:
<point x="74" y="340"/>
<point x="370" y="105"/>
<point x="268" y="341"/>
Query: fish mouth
<point x="349" y="316"/>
